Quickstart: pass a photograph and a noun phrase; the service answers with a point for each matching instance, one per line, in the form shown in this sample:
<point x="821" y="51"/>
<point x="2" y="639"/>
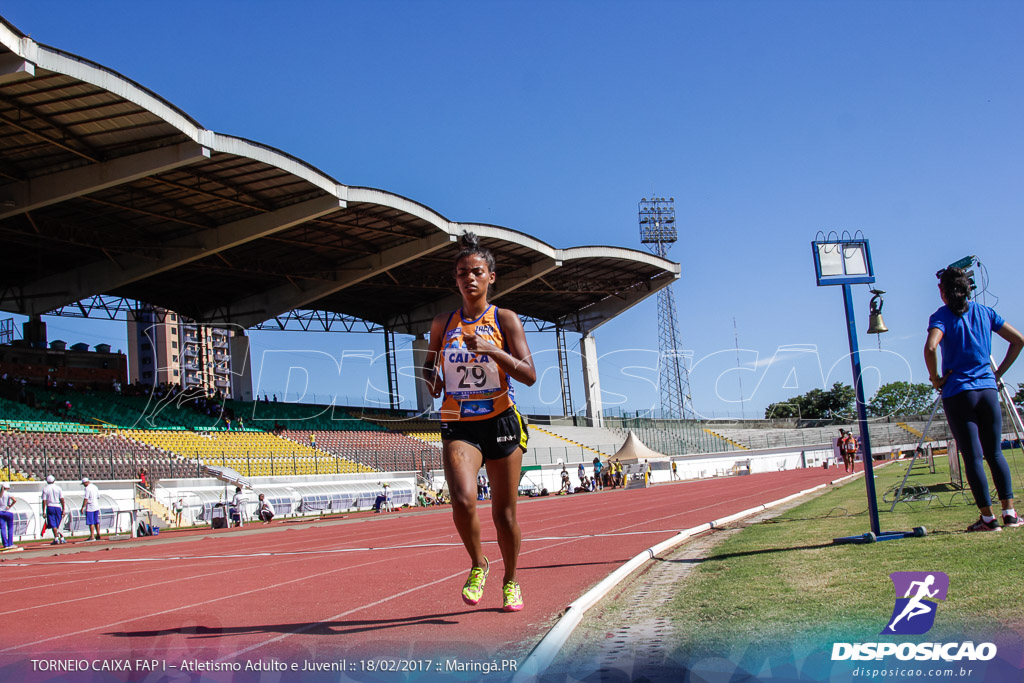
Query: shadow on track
<point x="315" y="628"/>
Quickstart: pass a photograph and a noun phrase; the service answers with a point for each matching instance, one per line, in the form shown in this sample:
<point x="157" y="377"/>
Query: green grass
<point x="784" y="579"/>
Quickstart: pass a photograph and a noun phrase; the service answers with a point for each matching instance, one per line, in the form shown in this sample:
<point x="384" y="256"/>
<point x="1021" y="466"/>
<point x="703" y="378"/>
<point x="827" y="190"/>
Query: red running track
<point x="364" y="587"/>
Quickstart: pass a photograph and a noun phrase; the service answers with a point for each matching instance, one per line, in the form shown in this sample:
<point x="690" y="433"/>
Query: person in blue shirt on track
<point x="963" y="329"/>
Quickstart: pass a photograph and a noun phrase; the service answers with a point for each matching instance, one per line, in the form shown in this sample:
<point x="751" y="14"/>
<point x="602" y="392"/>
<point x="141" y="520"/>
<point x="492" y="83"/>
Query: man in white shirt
<point x="6" y="517"/>
<point x="238" y="506"/>
<point x="91" y="508"/>
<point x="265" y="511"/>
<point x="53" y="499"/>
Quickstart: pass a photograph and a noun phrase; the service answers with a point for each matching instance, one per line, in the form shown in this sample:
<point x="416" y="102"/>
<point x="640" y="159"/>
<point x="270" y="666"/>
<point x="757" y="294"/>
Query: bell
<point x="875" y="323"/>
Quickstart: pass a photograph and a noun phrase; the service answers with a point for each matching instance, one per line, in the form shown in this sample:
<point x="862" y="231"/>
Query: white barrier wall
<point x="356" y="492"/>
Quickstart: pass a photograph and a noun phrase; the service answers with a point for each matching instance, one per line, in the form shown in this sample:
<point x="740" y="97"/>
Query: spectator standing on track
<point x="264" y="510"/>
<point x="598" y="466"/>
<point x="7" y="502"/>
<point x="177" y="509"/>
<point x="675" y="471"/>
<point x="963" y="329"/>
<point x="581" y="472"/>
<point x="91" y="509"/>
<point x="53" y="499"/>
<point x="481" y="348"/>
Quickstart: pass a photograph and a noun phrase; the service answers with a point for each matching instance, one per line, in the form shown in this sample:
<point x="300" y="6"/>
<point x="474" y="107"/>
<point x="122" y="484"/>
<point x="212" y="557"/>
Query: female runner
<point x="481" y="348"/>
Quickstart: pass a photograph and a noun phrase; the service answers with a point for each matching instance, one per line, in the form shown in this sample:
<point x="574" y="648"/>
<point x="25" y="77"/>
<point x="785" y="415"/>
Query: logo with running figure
<point x="914" y="612"/>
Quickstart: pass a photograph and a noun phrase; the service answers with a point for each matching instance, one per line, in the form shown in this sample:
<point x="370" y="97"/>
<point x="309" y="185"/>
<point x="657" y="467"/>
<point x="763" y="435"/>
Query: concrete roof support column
<point x="241" y="366"/>
<point x="424" y="401"/>
<point x="591" y="380"/>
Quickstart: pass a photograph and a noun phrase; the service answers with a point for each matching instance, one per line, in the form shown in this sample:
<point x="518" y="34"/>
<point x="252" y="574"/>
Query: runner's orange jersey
<point x="475" y="388"/>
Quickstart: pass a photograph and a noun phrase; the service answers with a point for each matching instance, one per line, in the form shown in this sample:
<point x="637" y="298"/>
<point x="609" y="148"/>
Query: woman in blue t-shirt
<point x="963" y="330"/>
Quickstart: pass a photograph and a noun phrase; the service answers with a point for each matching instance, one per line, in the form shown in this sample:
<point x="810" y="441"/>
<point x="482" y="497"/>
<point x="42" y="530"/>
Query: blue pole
<point x="862" y="417"/>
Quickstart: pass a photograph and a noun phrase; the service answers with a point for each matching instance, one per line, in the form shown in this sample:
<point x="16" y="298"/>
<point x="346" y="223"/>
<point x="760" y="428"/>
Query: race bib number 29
<point x="467" y="374"/>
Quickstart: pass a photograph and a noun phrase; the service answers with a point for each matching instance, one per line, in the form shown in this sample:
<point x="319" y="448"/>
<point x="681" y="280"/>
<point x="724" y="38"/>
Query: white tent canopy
<point x="634" y="450"/>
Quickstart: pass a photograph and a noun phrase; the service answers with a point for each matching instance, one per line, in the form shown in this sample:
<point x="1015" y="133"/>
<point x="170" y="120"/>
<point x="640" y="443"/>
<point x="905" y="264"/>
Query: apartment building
<point x="164" y="348"/>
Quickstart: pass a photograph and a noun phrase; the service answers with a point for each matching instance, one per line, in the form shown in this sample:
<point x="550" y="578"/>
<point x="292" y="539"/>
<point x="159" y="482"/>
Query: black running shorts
<point x="496" y="438"/>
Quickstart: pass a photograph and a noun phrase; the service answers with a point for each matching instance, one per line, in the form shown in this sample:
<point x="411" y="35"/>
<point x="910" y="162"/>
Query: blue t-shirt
<point x="966" y="346"/>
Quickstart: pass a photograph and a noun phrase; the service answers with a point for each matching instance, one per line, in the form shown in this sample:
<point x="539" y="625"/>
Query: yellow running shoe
<point x="473" y="589"/>
<point x="513" y="597"/>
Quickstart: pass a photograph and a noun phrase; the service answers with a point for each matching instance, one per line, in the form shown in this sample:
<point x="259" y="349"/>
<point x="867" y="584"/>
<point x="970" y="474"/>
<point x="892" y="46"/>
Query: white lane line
<point x="369" y="605"/>
<point x="221" y="598"/>
<point x="329" y="551"/>
<point x="90" y="596"/>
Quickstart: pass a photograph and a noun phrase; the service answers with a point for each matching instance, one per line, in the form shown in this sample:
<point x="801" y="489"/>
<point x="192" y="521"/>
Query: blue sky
<point x="767" y="121"/>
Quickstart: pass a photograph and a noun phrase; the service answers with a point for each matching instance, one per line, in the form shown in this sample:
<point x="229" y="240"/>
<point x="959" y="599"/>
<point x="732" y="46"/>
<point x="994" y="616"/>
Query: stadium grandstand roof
<point x="107" y="189"/>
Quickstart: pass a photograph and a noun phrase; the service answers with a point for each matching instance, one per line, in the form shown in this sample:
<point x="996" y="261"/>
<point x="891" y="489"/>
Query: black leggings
<point x="976" y="421"/>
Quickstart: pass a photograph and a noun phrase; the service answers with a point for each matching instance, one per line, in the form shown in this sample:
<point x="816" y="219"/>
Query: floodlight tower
<point x="658" y="232"/>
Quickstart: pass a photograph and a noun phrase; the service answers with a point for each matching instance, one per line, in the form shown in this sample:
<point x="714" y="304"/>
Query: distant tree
<point x="790" y="408"/>
<point x="839" y="401"/>
<point x="816" y="404"/>
<point x="902" y="398"/>
<point x="1019" y="398"/>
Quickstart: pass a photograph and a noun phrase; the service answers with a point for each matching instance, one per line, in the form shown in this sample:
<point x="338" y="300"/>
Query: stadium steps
<point x="908" y="428"/>
<point x="608" y="441"/>
<point x="380" y="450"/>
<point x="727" y="439"/>
<point x="568" y="441"/>
<point x="300" y="416"/>
<point x="429" y="438"/>
<point x="161" y="515"/>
